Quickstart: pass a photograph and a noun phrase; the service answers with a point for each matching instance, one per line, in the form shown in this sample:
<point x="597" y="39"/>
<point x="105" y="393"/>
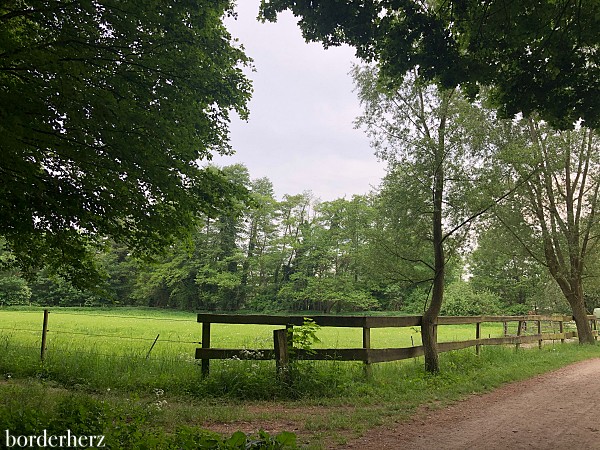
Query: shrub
<point x="461" y="300"/>
<point x="14" y="291"/>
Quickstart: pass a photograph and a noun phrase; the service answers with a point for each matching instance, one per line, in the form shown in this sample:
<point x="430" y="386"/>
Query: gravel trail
<point x="556" y="410"/>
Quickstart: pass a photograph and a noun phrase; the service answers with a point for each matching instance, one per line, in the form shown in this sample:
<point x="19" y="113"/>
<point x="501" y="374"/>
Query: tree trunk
<point x="572" y="289"/>
<point x="428" y="325"/>
<point x="429" y="338"/>
<point x="584" y="330"/>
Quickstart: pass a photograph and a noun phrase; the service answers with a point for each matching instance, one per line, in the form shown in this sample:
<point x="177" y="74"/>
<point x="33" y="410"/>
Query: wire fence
<point x="113" y="336"/>
<point x="72" y="352"/>
<point x="119" y="316"/>
<point x="50" y="333"/>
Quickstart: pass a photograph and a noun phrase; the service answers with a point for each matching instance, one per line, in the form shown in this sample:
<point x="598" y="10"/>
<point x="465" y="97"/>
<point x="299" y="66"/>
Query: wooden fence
<point x="280" y="351"/>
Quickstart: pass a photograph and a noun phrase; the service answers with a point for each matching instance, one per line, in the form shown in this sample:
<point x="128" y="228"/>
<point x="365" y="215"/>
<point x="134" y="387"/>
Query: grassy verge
<point x="325" y="403"/>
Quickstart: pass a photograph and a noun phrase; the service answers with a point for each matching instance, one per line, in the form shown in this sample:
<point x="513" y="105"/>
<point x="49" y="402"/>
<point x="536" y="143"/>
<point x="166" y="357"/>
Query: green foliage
<point x="502" y="265"/>
<point x="194" y="438"/>
<point x="416" y="302"/>
<point x="13" y="290"/>
<point x="437" y="148"/>
<point x="553" y="210"/>
<point x="461" y="300"/>
<point x="326" y="294"/>
<point x="549" y="299"/>
<point x="123" y="426"/>
<point x="305" y="337"/>
<point x="54" y="290"/>
<point x="545" y="61"/>
<point x="105" y="113"/>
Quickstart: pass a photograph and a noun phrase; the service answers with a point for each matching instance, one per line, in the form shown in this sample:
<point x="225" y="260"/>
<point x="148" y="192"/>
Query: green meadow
<point x="127" y="330"/>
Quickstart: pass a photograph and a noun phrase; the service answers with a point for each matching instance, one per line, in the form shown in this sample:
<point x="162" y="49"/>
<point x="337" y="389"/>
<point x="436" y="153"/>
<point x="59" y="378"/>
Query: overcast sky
<point x="300" y="133"/>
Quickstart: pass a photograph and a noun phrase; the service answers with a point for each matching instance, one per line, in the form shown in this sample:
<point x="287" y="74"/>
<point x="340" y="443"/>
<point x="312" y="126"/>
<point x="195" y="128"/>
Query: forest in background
<point x="301" y="254"/>
<point x="490" y="134"/>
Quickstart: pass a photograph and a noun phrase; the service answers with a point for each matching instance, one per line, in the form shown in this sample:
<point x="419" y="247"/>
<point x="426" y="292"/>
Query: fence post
<point x="539" y="330"/>
<point x="519" y="328"/>
<point x="44" y="333"/>
<point x="205" y="344"/>
<point x="478" y="336"/>
<point x="367" y="346"/>
<point x="505" y="328"/>
<point x="561" y="329"/>
<point x="152" y="346"/>
<point x="282" y="355"/>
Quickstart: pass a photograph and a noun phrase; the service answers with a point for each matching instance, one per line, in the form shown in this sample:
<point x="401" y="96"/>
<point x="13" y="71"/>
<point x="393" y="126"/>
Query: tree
<point x="327" y="267"/>
<point x="499" y="266"/>
<point x="399" y="251"/>
<point x="106" y="109"/>
<point x="538" y="56"/>
<point x="220" y="275"/>
<point x="260" y="234"/>
<point x="462" y="300"/>
<point x="13" y="289"/>
<point x="555" y="214"/>
<point x="204" y="271"/>
<point x="435" y="144"/>
<point x="295" y="212"/>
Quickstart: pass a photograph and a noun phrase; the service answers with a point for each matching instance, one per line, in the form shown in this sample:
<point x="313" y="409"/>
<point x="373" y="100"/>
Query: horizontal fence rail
<point x="282" y="350"/>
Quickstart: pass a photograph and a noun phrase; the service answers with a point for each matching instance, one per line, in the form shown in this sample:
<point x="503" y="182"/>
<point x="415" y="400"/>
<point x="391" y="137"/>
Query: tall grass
<point x="102" y="349"/>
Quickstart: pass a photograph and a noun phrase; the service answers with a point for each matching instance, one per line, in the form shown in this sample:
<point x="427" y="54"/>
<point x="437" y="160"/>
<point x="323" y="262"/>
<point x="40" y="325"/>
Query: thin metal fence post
<point x="44" y="335"/>
<point x="152" y="346"/>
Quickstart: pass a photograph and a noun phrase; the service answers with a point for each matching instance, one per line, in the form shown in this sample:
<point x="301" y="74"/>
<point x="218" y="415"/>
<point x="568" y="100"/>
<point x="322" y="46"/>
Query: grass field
<point x="127" y="330"/>
<point x="100" y="356"/>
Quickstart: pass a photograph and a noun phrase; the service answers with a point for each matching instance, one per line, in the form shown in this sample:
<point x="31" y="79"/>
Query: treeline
<point x="301" y="254"/>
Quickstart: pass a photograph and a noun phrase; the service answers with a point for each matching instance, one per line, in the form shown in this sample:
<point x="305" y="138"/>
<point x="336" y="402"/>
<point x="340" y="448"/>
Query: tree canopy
<point x="554" y="213"/>
<point x="541" y="55"/>
<point x="106" y="109"/>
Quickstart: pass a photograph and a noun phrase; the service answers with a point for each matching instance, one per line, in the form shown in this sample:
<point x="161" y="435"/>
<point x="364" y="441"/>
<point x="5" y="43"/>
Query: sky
<point x="300" y="133"/>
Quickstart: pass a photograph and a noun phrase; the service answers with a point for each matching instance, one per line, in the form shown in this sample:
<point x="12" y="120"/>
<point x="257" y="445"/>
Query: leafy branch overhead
<point x="106" y="110"/>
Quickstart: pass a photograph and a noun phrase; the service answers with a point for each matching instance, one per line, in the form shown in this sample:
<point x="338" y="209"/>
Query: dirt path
<point x="557" y="410"/>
